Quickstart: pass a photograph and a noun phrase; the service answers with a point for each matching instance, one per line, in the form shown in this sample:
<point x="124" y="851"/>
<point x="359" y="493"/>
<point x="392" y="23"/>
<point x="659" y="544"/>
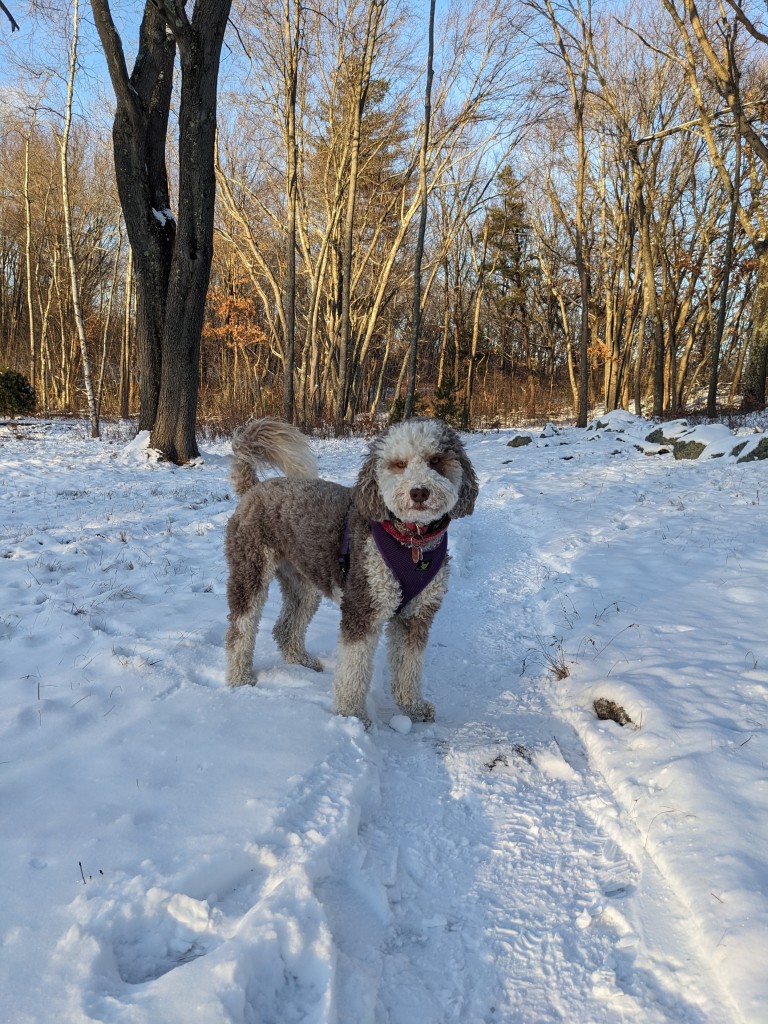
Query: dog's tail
<point x="269" y="442"/>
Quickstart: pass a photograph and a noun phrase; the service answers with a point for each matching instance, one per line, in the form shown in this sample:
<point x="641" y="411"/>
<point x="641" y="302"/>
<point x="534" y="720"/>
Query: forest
<point x="518" y="210"/>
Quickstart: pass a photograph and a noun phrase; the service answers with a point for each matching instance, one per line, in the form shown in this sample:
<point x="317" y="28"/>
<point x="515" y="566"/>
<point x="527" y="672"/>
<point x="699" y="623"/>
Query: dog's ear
<point x="468" y="491"/>
<point x="366" y="496"/>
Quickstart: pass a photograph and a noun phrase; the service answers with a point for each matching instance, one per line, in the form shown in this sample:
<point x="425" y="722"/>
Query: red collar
<point x="414" y="535"/>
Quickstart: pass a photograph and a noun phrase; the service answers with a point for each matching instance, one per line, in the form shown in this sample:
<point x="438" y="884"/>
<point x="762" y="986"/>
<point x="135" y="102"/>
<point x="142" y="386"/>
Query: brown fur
<point x="291" y="527"/>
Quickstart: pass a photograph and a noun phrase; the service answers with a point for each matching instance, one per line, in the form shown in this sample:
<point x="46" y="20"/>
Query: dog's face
<point x="418" y="472"/>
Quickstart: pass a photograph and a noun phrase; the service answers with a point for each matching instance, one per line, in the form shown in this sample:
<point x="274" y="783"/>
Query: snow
<point x="401" y="724"/>
<point x="163" y="216"/>
<point x="175" y="851"/>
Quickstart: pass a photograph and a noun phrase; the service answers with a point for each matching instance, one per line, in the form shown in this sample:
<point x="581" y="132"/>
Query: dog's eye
<point x="398" y="464"/>
<point x="435" y="460"/>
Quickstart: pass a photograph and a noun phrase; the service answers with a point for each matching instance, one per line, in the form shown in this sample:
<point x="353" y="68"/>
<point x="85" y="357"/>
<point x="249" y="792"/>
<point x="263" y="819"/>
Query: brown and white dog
<point x="377" y="548"/>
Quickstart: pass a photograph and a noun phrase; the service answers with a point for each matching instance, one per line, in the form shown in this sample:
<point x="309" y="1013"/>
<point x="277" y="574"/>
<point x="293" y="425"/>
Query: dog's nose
<point x="419" y="495"/>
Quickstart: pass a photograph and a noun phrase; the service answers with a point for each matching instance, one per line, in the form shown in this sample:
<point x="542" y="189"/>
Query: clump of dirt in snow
<point x="608" y="709"/>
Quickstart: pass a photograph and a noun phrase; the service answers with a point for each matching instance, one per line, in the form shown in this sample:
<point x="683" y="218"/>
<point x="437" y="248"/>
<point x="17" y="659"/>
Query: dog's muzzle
<point x="419" y="496"/>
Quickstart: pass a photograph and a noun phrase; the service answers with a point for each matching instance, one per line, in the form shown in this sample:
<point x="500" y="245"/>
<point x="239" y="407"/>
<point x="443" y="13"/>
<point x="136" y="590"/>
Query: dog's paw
<point x="248" y="679"/>
<point x="419" y="711"/>
<point x="353" y="712"/>
<point x="307" y="661"/>
<point x="300" y="656"/>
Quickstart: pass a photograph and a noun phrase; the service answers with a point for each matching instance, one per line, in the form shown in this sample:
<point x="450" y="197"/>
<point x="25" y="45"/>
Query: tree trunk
<point x="466" y="416"/>
<point x="717" y="338"/>
<point x="74" y="279"/>
<point x="28" y="261"/>
<point x="139" y="135"/>
<point x="753" y="388"/>
<point x="651" y="303"/>
<point x="291" y="41"/>
<point x="410" y="391"/>
<point x="124" y="386"/>
<point x="582" y="268"/>
<point x="199" y="43"/>
<point x="346" y="272"/>
<point x="375" y="12"/>
<point x="482" y="270"/>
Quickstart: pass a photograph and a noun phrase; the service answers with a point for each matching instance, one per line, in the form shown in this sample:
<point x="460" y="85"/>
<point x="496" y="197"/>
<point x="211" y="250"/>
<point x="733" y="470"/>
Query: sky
<point x="174" y="851"/>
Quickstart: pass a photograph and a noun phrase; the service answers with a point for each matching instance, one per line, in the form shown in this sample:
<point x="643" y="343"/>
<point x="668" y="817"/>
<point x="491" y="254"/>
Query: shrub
<point x="17" y="396"/>
<point x="444" y="404"/>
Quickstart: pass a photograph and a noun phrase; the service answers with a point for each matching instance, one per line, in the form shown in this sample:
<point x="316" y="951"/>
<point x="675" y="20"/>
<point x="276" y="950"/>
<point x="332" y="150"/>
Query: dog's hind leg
<point x="246" y="593"/>
<point x="300" y="602"/>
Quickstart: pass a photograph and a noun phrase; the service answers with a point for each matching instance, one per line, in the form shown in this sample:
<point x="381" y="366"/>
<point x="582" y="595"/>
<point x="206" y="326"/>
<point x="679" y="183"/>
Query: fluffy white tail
<point x="269" y="442"/>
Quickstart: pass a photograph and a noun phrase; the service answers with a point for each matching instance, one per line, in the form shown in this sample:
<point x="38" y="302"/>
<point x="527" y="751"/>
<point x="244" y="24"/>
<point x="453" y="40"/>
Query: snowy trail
<point x="505" y="899"/>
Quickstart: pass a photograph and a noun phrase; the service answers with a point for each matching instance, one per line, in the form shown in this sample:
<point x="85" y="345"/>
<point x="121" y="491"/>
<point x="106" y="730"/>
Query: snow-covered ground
<point x="172" y="851"/>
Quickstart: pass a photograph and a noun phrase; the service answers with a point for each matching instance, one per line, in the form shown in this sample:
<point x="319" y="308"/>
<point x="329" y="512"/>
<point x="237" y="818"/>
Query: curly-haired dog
<point x="378" y="548"/>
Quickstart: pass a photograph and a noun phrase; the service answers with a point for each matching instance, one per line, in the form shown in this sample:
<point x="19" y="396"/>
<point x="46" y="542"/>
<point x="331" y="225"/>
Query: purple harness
<point x="412" y="575"/>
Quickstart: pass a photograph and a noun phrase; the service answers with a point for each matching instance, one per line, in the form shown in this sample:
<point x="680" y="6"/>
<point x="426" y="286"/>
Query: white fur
<point x="353" y="676"/>
<point x="404" y="464"/>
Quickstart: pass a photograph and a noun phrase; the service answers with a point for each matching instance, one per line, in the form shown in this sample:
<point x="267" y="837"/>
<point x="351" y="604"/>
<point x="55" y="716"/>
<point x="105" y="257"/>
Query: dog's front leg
<point x="406" y="643"/>
<point x="353" y="674"/>
<point x="407" y="636"/>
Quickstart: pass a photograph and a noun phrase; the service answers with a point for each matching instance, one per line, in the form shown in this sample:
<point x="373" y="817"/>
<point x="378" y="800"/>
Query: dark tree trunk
<point x="172" y="264"/>
<point x="139" y="141"/>
<point x="199" y="43"/>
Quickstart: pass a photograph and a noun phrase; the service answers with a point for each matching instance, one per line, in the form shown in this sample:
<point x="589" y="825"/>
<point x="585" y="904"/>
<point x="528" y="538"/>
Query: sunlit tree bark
<point x="74" y="278"/>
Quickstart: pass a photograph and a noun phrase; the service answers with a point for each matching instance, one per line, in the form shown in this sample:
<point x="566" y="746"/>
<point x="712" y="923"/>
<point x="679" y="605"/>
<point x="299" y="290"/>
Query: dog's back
<point x="269" y="443"/>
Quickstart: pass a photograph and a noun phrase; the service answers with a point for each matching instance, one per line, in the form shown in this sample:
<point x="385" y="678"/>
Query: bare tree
<point x="722" y="311"/>
<point x="424" y="196"/>
<point x="572" y="30"/>
<point x="712" y="51"/>
<point x="74" y="278"/>
<point x="293" y="15"/>
<point x="172" y="258"/>
<point x="360" y="81"/>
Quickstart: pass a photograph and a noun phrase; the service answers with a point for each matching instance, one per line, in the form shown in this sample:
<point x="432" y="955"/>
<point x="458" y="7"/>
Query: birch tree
<point x="424" y="198"/>
<point x="74" y="278"/>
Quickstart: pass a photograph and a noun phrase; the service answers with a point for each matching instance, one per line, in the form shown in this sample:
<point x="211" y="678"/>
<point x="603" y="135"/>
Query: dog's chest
<point x="384" y="588"/>
<point x="412" y="567"/>
<point x="389" y="592"/>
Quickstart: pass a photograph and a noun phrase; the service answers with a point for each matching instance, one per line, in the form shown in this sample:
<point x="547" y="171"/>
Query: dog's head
<point x="417" y="471"/>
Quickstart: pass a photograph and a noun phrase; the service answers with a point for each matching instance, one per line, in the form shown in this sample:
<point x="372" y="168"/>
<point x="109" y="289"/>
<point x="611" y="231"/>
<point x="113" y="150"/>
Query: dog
<point x="377" y="548"/>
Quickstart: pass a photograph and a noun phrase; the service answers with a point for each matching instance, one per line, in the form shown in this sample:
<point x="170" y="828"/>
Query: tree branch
<point x="748" y="24"/>
<point x="7" y="13"/>
<point x="112" y="45"/>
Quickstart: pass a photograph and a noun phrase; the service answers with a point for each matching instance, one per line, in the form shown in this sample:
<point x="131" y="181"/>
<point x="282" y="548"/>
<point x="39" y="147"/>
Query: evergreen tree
<point x="17" y="396"/>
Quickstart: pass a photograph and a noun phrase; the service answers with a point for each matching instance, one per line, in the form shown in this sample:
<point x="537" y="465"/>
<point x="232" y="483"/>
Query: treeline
<point x="597" y="229"/>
